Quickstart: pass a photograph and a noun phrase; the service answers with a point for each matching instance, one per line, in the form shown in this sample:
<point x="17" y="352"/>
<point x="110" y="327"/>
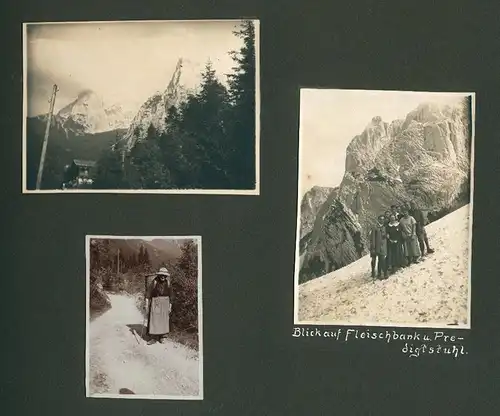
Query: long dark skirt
<point x="394" y="254"/>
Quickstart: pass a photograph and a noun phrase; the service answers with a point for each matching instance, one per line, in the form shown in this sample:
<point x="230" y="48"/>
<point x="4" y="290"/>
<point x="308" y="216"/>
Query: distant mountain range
<point x="86" y="127"/>
<point x="160" y="250"/>
<point x="87" y="114"/>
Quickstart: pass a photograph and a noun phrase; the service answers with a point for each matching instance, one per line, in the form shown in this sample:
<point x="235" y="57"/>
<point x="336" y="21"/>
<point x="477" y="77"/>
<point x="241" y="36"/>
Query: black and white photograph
<point x="384" y="216"/>
<point x="141" y="106"/>
<point x="144" y="317"/>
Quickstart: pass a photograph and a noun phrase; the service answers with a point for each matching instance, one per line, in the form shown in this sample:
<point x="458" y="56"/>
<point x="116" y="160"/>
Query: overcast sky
<point x="123" y="62"/>
<point x="330" y="119"/>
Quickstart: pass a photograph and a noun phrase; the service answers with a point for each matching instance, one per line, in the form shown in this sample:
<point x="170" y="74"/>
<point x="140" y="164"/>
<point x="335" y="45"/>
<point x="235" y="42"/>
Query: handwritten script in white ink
<point x="414" y="343"/>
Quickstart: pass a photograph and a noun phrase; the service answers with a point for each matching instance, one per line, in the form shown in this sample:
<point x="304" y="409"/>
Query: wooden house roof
<point x="84" y="163"/>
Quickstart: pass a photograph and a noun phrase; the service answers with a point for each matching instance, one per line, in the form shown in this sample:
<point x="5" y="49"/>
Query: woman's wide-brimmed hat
<point x="163" y="272"/>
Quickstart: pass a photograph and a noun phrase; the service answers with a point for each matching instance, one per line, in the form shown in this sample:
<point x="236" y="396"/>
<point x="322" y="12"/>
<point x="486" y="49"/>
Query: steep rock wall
<point x="310" y="205"/>
<point x="424" y="158"/>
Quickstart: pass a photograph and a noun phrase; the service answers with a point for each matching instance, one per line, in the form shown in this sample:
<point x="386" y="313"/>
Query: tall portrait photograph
<point x="141" y="106"/>
<point x="144" y="317"/>
<point x="384" y="216"/>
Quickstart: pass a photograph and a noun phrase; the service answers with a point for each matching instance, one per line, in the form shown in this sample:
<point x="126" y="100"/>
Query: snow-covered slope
<point x="431" y="293"/>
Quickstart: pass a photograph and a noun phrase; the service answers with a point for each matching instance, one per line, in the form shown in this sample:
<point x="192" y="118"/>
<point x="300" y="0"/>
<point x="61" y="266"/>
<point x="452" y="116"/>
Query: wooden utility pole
<point x="46" y="137"/>
<point x="118" y="261"/>
<point x="123" y="163"/>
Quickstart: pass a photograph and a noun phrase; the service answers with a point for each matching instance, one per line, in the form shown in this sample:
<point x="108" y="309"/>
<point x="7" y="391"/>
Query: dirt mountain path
<point x="117" y="361"/>
<point x="433" y="292"/>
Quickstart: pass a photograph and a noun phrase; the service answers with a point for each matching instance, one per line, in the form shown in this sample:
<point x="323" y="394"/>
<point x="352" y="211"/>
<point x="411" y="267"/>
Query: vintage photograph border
<point x="255" y="191"/>
<point x="200" y="396"/>
<point x="296" y="320"/>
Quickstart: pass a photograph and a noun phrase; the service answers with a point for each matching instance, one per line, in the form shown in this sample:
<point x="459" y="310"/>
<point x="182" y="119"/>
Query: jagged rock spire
<point x="154" y="111"/>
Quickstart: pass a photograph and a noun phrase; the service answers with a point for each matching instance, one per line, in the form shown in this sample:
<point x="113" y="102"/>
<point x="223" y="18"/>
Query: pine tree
<point x="146" y="169"/>
<point x="242" y="93"/>
<point x="201" y="126"/>
<point x="100" y="254"/>
<point x="212" y="138"/>
<point x="177" y="148"/>
<point x="109" y="173"/>
<point x="147" y="260"/>
<point x="140" y="258"/>
<point x="123" y="262"/>
<point x="99" y="274"/>
<point x="188" y="261"/>
<point x="185" y="285"/>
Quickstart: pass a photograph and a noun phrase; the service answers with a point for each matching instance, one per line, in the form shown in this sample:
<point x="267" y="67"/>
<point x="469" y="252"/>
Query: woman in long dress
<point x="394" y="244"/>
<point x="159" y="299"/>
<point x="410" y="241"/>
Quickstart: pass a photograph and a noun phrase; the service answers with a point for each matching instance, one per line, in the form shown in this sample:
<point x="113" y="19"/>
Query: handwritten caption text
<point x="415" y="343"/>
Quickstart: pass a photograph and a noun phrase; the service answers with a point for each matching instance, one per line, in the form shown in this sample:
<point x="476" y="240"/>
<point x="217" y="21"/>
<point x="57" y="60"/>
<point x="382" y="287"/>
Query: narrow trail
<point x="117" y="361"/>
<point x="431" y="293"/>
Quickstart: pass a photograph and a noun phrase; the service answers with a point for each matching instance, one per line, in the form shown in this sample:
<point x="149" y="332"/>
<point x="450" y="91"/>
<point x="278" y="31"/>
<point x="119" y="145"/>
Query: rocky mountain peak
<point x="88" y="114"/>
<point x="310" y="205"/>
<point x="363" y="149"/>
<point x="428" y="112"/>
<point x="155" y="110"/>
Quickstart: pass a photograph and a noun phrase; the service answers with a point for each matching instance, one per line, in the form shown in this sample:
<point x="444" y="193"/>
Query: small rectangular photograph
<point x="384" y="216"/>
<point x="144" y="318"/>
<point x="141" y="106"/>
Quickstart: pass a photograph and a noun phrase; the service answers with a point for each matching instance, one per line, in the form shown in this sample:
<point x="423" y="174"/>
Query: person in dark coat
<point x="394" y="244"/>
<point x="159" y="299"/>
<point x="358" y="243"/>
<point x="378" y="248"/>
<point x="423" y="241"/>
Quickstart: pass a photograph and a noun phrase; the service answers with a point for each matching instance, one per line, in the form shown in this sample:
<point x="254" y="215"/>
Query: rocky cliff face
<point x="425" y="158"/>
<point x="311" y="204"/>
<point x="88" y="114"/>
<point x="155" y="110"/>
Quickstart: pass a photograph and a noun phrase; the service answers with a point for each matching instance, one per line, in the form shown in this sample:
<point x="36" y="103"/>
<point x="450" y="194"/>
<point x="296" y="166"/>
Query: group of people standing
<point x="398" y="240"/>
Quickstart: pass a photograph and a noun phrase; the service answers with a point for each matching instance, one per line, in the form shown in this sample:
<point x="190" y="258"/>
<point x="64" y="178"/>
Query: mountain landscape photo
<point x="422" y="156"/>
<point x="161" y="121"/>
